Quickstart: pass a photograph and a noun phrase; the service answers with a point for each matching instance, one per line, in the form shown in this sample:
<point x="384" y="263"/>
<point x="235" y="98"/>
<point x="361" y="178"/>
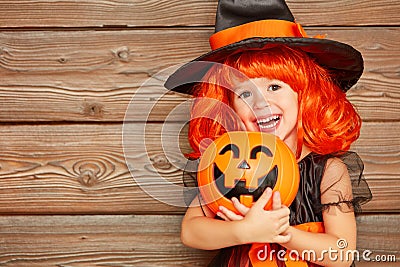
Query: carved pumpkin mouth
<point x="240" y="189"/>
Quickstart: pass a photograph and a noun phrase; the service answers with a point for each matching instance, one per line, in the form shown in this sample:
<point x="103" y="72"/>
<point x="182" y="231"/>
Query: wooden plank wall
<point x="69" y="71"/>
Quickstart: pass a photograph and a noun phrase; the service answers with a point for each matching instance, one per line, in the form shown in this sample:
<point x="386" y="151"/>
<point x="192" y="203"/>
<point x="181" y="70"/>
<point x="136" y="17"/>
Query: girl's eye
<point x="245" y="94"/>
<point x="273" y="87"/>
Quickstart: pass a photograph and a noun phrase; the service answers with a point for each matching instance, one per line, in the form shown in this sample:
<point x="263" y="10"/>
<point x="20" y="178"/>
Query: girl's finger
<point x="282" y="213"/>
<point x="283" y="227"/>
<point x="230" y="214"/>
<point x="276" y="201"/>
<point x="239" y="206"/>
<point x="284" y="238"/>
<point x="283" y="220"/>
<point x="264" y="198"/>
<point x="222" y="216"/>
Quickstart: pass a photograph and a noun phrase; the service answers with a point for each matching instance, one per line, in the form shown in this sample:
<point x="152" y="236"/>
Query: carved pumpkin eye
<point x="257" y="149"/>
<point x="230" y="147"/>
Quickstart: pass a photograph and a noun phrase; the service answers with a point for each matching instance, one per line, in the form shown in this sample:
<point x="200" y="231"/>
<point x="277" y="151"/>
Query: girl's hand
<point x="261" y="226"/>
<point x="229" y="215"/>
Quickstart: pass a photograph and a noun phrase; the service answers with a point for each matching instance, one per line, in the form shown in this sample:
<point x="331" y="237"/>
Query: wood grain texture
<point x="379" y="234"/>
<point x="138" y="241"/>
<point x="81" y="169"/>
<point x="102" y="13"/>
<point x="95" y="241"/>
<point x="93" y="76"/>
<point x="84" y="165"/>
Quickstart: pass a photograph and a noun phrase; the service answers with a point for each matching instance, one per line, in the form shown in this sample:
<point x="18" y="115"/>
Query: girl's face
<point x="269" y="106"/>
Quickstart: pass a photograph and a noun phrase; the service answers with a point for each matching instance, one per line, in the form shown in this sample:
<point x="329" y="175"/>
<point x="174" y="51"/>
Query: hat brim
<point x="344" y="62"/>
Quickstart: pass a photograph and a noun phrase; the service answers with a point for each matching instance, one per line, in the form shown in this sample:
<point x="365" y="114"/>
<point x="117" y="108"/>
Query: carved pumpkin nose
<point x="244" y="165"/>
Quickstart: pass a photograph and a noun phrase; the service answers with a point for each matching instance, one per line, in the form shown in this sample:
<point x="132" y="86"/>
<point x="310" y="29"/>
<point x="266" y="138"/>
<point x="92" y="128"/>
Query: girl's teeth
<point x="269" y="122"/>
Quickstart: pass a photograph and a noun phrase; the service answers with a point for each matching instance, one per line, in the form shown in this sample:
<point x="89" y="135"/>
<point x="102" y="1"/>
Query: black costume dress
<point x="307" y="206"/>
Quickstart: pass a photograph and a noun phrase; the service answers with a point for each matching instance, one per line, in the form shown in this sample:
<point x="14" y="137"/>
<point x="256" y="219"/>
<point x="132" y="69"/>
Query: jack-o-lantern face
<point x="243" y="165"/>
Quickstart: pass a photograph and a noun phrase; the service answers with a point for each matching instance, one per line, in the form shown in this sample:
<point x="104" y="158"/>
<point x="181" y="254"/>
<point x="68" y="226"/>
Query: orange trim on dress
<point x="260" y="28"/>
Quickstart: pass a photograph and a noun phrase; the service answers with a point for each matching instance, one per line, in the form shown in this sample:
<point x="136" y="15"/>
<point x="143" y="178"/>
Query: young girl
<point x="293" y="87"/>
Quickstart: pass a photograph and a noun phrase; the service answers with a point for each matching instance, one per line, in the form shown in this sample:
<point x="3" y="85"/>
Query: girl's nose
<point x="260" y="101"/>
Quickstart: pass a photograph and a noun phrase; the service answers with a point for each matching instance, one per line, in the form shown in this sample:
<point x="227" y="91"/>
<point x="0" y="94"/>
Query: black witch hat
<point x="257" y="25"/>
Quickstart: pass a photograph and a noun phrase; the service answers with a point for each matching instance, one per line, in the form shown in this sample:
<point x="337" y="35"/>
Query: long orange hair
<point x="327" y="121"/>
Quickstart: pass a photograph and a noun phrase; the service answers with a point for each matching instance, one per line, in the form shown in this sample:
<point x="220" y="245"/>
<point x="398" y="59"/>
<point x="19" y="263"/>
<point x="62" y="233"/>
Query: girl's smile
<point x="268" y="123"/>
<point x="267" y="105"/>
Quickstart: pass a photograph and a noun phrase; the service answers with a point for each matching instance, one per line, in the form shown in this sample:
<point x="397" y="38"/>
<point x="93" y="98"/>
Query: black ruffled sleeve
<point x="343" y="184"/>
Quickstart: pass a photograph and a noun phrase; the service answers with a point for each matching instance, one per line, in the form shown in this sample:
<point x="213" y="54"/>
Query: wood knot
<point x="161" y="162"/>
<point x="122" y="53"/>
<point x="3" y="51"/>
<point x="62" y="60"/>
<point x="88" y="173"/>
<point x="93" y="109"/>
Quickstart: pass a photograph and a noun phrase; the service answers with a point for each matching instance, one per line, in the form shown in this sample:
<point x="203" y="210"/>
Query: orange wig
<point x="327" y="121"/>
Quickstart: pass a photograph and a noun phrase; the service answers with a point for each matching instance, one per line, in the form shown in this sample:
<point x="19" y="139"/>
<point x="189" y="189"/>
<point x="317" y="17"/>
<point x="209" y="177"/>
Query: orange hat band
<point x="260" y="28"/>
